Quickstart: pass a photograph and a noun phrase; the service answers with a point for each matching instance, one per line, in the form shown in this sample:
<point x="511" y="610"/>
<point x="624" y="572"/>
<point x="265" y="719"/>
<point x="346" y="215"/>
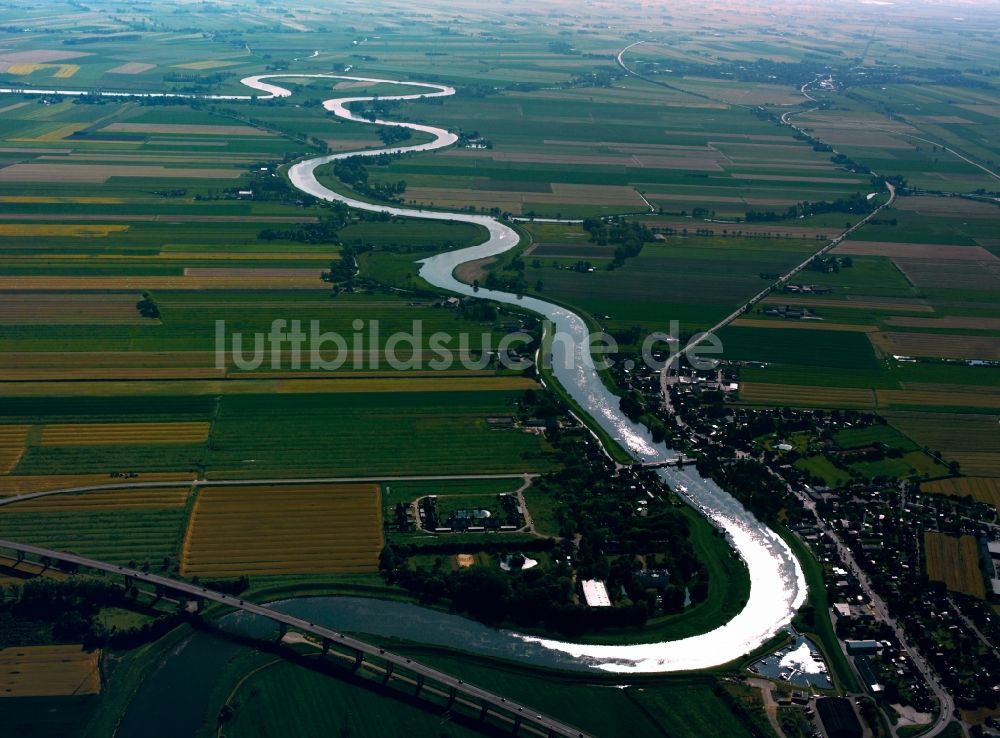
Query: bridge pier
<point x="388" y="672"/>
<point x="452" y="694"/>
<point x="420" y="684"/>
<point x="20" y="556"/>
<point x="282" y="630"/>
<point x="359" y="657"/>
<point x="484" y="711"/>
<point x="517" y="725"/>
<point x="326" y="647"/>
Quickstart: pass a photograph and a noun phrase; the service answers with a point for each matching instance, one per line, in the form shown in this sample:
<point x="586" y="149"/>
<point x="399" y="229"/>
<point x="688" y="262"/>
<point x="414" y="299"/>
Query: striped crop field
<point x="954" y="561"/>
<point x="270" y="530"/>
<point x="103" y="434"/>
<point x="120" y="527"/>
<point x="980" y="489"/>
<point x="59" y="229"/>
<point x="112" y="499"/>
<point x="13" y="439"/>
<point x="781" y="395"/>
<point x="49" y="671"/>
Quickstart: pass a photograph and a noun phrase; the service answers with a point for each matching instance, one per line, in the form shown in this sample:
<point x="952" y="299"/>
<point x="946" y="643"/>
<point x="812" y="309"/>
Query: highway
<point x="476" y="696"/>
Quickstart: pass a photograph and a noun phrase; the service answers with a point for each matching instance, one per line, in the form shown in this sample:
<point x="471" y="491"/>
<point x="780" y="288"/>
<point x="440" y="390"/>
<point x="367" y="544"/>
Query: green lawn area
<point x="820" y="466"/>
<point x="858" y="437"/>
<point x="370" y="434"/>
<point x="290" y="700"/>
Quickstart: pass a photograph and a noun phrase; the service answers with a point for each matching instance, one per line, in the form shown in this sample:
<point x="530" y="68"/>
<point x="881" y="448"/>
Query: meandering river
<point x="778" y="586"/>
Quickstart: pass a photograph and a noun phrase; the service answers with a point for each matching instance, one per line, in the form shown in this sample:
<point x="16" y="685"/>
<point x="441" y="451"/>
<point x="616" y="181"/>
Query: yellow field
<point x="302" y="529"/>
<point x="983" y="490"/>
<point x="12" y="442"/>
<point x="114" y="434"/>
<point x="56" y="229"/>
<point x="157" y="282"/>
<point x="805" y="396"/>
<point x="20" y="485"/>
<point x="101" y="500"/>
<point x="954" y="561"/>
<point x="63" y="71"/>
<point x="49" y="671"/>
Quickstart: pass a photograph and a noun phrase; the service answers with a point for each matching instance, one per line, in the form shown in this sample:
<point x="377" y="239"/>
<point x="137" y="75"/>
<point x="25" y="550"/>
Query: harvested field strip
<point x="954" y="561"/>
<point x="961" y="323"/>
<point x="982" y="489"/>
<point x="19" y="485"/>
<point x="946" y="397"/>
<point x="49" y="671"/>
<point x="909" y="306"/>
<point x="76" y="374"/>
<point x="914" y="251"/>
<point x="112" y="499"/>
<point x="284" y="530"/>
<point x="809" y="325"/>
<point x="100" y="173"/>
<point x="800" y="396"/>
<point x="96" y="434"/>
<point x="443" y="384"/>
<point x="939" y="345"/>
<point x="978" y="463"/>
<point x="161" y="283"/>
<point x="64" y="310"/>
<point x="21" y="230"/>
<point x="13" y="439"/>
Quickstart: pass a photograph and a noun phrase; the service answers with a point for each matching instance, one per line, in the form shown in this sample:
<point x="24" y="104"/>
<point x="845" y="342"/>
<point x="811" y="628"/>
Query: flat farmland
<point x="112" y="499"/>
<point x="120" y="528"/>
<point x="982" y="490"/>
<point x="969" y="438"/>
<point x="97" y="434"/>
<point x="954" y="561"/>
<point x="779" y="395"/>
<point x="321" y="529"/>
<point x="370" y="433"/>
<point x="695" y="280"/>
<point x="49" y="671"/>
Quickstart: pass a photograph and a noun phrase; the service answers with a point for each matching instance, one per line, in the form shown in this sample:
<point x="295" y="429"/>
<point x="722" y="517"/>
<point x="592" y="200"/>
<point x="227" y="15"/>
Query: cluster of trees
<point x="147" y="306"/>
<point x="596" y="507"/>
<point x="855" y="203"/>
<point x="326" y="230"/>
<point x="353" y="172"/>
<point x="67" y="611"/>
<point x="394" y="134"/>
<point x="343" y="272"/>
<point x="628" y="236"/>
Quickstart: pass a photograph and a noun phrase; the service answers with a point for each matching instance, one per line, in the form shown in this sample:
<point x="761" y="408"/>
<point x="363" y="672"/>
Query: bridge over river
<point x="520" y="718"/>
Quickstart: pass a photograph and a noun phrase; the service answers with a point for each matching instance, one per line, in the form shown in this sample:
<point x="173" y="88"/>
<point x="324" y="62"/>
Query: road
<point x="248" y="482"/>
<point x="477" y="695"/>
<point x="881" y="611"/>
